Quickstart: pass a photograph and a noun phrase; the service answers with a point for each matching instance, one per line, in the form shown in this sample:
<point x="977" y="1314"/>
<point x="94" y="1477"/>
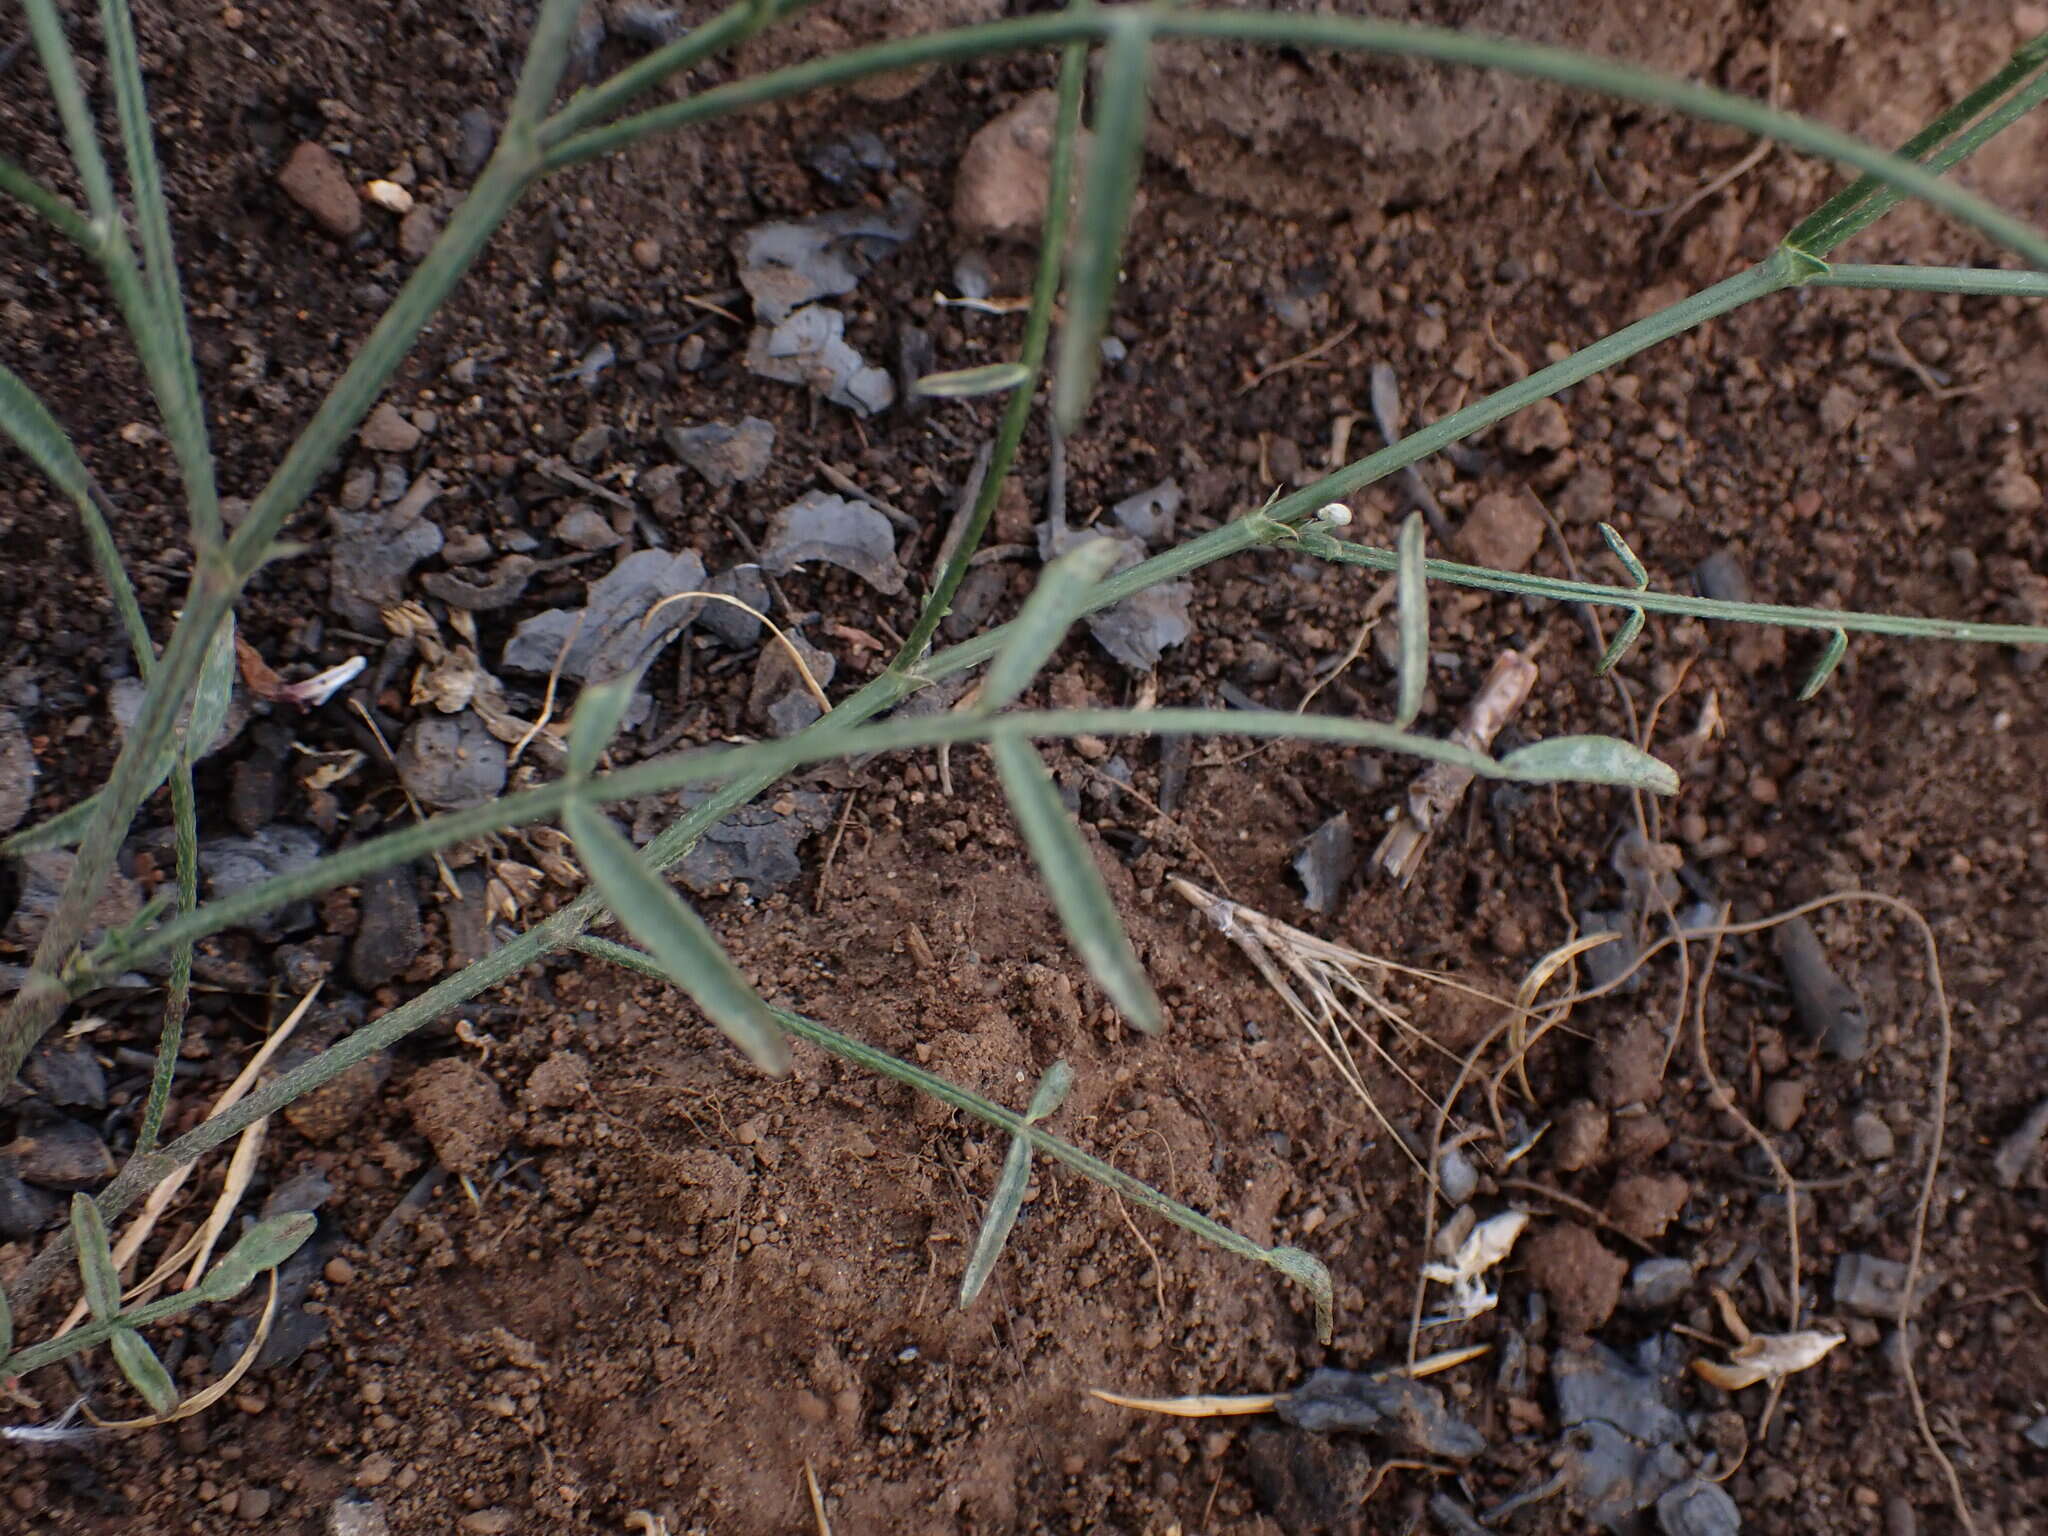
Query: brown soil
<point x="679" y="1285"/>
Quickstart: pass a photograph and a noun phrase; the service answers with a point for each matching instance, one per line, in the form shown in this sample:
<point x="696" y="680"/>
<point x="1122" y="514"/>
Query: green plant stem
<point x="69" y="222"/>
<point x="1945" y="157"/>
<point x="185" y="818"/>
<point x="1991" y="281"/>
<point x="107" y="241"/>
<point x="729" y="28"/>
<point x="1295" y="29"/>
<point x="184" y="408"/>
<point x="745" y="771"/>
<point x="1683" y="604"/>
<point x="754" y="766"/>
<point x="1031" y="353"/>
<point x="1827" y="226"/>
<point x="881" y="1062"/>
<point x="60" y="70"/>
<point x="1122" y="89"/>
<point x="99" y="1330"/>
<point x="93" y="512"/>
<point x="45" y="994"/>
<point x="883" y="693"/>
<point x="219" y="577"/>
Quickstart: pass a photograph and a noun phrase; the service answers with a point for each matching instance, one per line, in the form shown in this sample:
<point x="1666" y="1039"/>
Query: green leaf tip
<point x="1074" y="882"/>
<point x="599" y="709"/>
<point x="145" y="1373"/>
<point x="1061" y="596"/>
<point x="1831" y="658"/>
<point x="1591" y="760"/>
<point x="1309" y="1272"/>
<point x="1011" y="1183"/>
<point x="676" y="936"/>
<point x="1635" y="568"/>
<point x="263" y="1247"/>
<point x="95" y="1259"/>
<point x="1631" y="629"/>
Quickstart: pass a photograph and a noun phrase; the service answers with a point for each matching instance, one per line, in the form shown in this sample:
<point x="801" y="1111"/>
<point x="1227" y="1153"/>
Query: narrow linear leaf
<point x="1309" y="1272"/>
<point x="962" y="383"/>
<point x="1411" y="607"/>
<point x="6" y="1330"/>
<point x="1015" y="1178"/>
<point x="599" y="709"/>
<point x="145" y="1373"/>
<point x="60" y="831"/>
<point x="1591" y="760"/>
<point x="1631" y="628"/>
<point x="1615" y="542"/>
<point x="1289" y="1261"/>
<point x="1105" y="213"/>
<point x="212" y="694"/>
<point x="24" y="418"/>
<point x="264" y="1246"/>
<point x="1831" y="658"/>
<point x="1058" y="599"/>
<point x="1075" y="884"/>
<point x="655" y="915"/>
<point x="95" y="1259"/>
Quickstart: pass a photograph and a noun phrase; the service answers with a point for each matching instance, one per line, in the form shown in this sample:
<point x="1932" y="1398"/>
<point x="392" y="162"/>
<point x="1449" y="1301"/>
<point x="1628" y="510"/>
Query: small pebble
<point x="1784" y="1103"/>
<point x="475" y="136"/>
<point x="417" y="232"/>
<point x="254" y="1503"/>
<point x="583" y="527"/>
<point x="646" y="253"/>
<point x="348" y="1516"/>
<point x="1871" y="1137"/>
<point x="1720" y="576"/>
<point x="388" y="432"/>
<point x="1659" y="1282"/>
<point x="375" y="1471"/>
<point x="314" y="179"/>
<point x="58" y="1152"/>
<point x="389" y="196"/>
<point x="339" y="1271"/>
<point x="1456" y="1176"/>
<point x="1873" y="1286"/>
<point x="1899" y="1519"/>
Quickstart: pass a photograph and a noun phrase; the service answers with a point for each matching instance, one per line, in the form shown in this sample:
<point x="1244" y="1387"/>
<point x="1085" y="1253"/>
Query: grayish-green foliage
<point x="197" y="662"/>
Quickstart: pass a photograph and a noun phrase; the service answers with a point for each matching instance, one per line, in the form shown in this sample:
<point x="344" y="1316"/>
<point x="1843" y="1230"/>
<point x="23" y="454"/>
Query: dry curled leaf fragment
<point x="264" y="681"/>
<point x="1767" y="1357"/>
<point x="1484" y="1247"/>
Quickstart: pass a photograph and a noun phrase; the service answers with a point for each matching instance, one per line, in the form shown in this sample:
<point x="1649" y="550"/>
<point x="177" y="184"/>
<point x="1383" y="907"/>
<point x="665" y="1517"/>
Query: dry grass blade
<point x="1323" y="985"/>
<point x="160" y="1198"/>
<point x="817" y="1500"/>
<point x="204" y="1399"/>
<point x="1199" y="1407"/>
<point x="241" y="1170"/>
